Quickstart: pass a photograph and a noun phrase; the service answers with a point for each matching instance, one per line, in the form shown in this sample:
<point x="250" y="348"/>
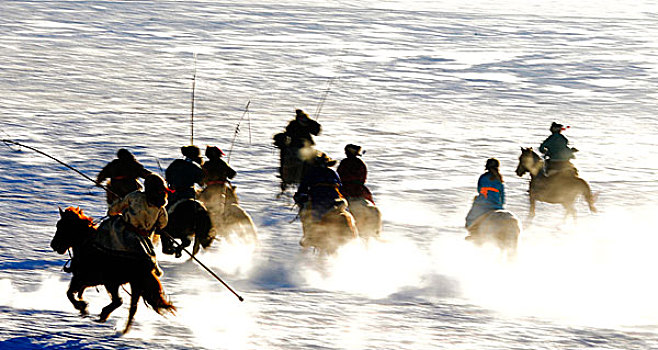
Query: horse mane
<point x="80" y="215"/>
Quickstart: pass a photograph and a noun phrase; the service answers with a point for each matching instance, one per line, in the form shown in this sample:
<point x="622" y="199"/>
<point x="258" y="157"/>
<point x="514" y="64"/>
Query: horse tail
<point x="154" y="295"/>
<point x="589" y="196"/>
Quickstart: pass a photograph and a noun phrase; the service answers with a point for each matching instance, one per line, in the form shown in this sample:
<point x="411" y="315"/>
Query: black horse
<point x="96" y="266"/>
<point x="187" y="218"/>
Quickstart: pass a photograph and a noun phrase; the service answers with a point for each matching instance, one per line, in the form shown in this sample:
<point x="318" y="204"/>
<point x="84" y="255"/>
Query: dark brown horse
<point x="188" y="218"/>
<point x="561" y="188"/>
<point x="93" y="266"/>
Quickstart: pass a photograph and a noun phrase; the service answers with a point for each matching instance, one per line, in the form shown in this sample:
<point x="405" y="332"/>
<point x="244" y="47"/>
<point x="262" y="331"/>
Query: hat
<point x="125" y="154"/>
<point x="353" y="150"/>
<point x="300" y="114"/>
<point x="556" y="126"/>
<point x="192" y="152"/>
<point x="322" y="159"/>
<point x="213" y="152"/>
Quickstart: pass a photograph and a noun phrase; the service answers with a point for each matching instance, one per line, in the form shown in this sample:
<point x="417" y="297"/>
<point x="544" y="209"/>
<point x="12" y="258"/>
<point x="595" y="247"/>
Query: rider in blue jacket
<point x="491" y="194"/>
<point x="320" y="187"/>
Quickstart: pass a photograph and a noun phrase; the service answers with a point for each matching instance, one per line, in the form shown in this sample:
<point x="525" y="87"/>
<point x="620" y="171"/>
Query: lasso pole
<point x="192" y="112"/>
<point x="237" y="130"/>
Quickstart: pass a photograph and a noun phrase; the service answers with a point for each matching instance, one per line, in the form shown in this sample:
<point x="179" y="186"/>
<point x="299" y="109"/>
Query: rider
<point x="557" y="151"/>
<point x="122" y="173"/>
<point x="353" y="172"/>
<point x="298" y="135"/>
<point x="182" y="174"/>
<point x="491" y="195"/>
<point x="215" y="170"/>
<point x="320" y="187"/>
<point x="143" y="214"/>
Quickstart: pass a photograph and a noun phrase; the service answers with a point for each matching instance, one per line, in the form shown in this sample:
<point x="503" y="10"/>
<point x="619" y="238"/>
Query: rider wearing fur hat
<point x="491" y="194"/>
<point x="182" y="174"/>
<point x="320" y="187"/>
<point x="122" y="174"/>
<point x="215" y="170"/>
<point x="557" y="151"/>
<point x="141" y="213"/>
<point x="353" y="173"/>
<point x="298" y="135"/>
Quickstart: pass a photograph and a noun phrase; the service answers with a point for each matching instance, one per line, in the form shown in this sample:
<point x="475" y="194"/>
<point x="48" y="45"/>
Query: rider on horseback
<point x="135" y="218"/>
<point x="557" y="151"/>
<point x="298" y="136"/>
<point x="491" y="196"/>
<point x="182" y="174"/>
<point x="353" y="173"/>
<point x="122" y="173"/>
<point x="319" y="190"/>
<point x="215" y="170"/>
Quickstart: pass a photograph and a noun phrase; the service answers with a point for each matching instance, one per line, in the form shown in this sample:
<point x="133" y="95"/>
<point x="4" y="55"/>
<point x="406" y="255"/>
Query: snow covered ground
<point x="430" y="89"/>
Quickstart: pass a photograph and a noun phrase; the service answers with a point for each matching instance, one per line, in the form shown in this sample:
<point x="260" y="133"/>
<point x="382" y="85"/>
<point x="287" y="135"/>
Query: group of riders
<point x="491" y="188"/>
<point x="138" y="213"/>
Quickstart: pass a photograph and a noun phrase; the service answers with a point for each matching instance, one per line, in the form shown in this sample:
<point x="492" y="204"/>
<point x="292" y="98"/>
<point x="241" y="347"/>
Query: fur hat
<point x="192" y="152"/>
<point x="156" y="190"/>
<point x="353" y="150"/>
<point x="213" y="152"/>
<point x="556" y="126"/>
<point x="322" y="159"/>
<point x="125" y="154"/>
<point x="299" y="114"/>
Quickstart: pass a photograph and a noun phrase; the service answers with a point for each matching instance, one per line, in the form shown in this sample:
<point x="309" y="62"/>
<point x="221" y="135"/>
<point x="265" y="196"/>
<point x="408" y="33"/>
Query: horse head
<point x="70" y="227"/>
<point x="230" y="196"/>
<point x="529" y="161"/>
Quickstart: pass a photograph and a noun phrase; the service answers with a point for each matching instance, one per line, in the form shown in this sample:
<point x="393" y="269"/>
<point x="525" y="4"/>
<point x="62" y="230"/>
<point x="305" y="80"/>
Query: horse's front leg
<point x="531" y="213"/>
<point x="113" y="291"/>
<point x="184" y="243"/>
<point x="76" y="286"/>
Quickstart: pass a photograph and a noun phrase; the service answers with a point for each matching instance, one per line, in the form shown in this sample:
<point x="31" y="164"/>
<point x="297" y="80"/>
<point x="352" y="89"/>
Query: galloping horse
<point x="187" y="218"/>
<point x="367" y="216"/>
<point x="562" y="188"/>
<point x="500" y="227"/>
<point x="95" y="266"/>
<point x="333" y="230"/>
<point x="293" y="161"/>
<point x="226" y="214"/>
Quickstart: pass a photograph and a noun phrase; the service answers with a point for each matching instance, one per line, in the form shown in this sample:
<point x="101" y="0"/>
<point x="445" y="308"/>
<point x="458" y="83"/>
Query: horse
<point x="187" y="218"/>
<point x="95" y="266"/>
<point x="367" y="216"/>
<point x="226" y="215"/>
<point x="336" y="228"/>
<point x="293" y="161"/>
<point x="562" y="188"/>
<point x="500" y="227"/>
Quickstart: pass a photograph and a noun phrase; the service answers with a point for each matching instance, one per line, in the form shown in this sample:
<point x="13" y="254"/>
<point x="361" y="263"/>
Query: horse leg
<point x="184" y="243"/>
<point x="134" y="299"/>
<point x="531" y="213"/>
<point x="77" y="287"/>
<point x="113" y="291"/>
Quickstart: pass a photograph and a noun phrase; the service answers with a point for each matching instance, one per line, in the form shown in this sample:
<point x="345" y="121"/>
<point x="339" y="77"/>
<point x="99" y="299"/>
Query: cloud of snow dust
<point x="216" y="318"/>
<point x="374" y="268"/>
<point x="599" y="271"/>
<point x="49" y="295"/>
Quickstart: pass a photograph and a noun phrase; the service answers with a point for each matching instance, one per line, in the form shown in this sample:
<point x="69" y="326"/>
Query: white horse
<point x="367" y="216"/>
<point x="500" y="227"/>
<point x="336" y="228"/>
<point x="226" y="215"/>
